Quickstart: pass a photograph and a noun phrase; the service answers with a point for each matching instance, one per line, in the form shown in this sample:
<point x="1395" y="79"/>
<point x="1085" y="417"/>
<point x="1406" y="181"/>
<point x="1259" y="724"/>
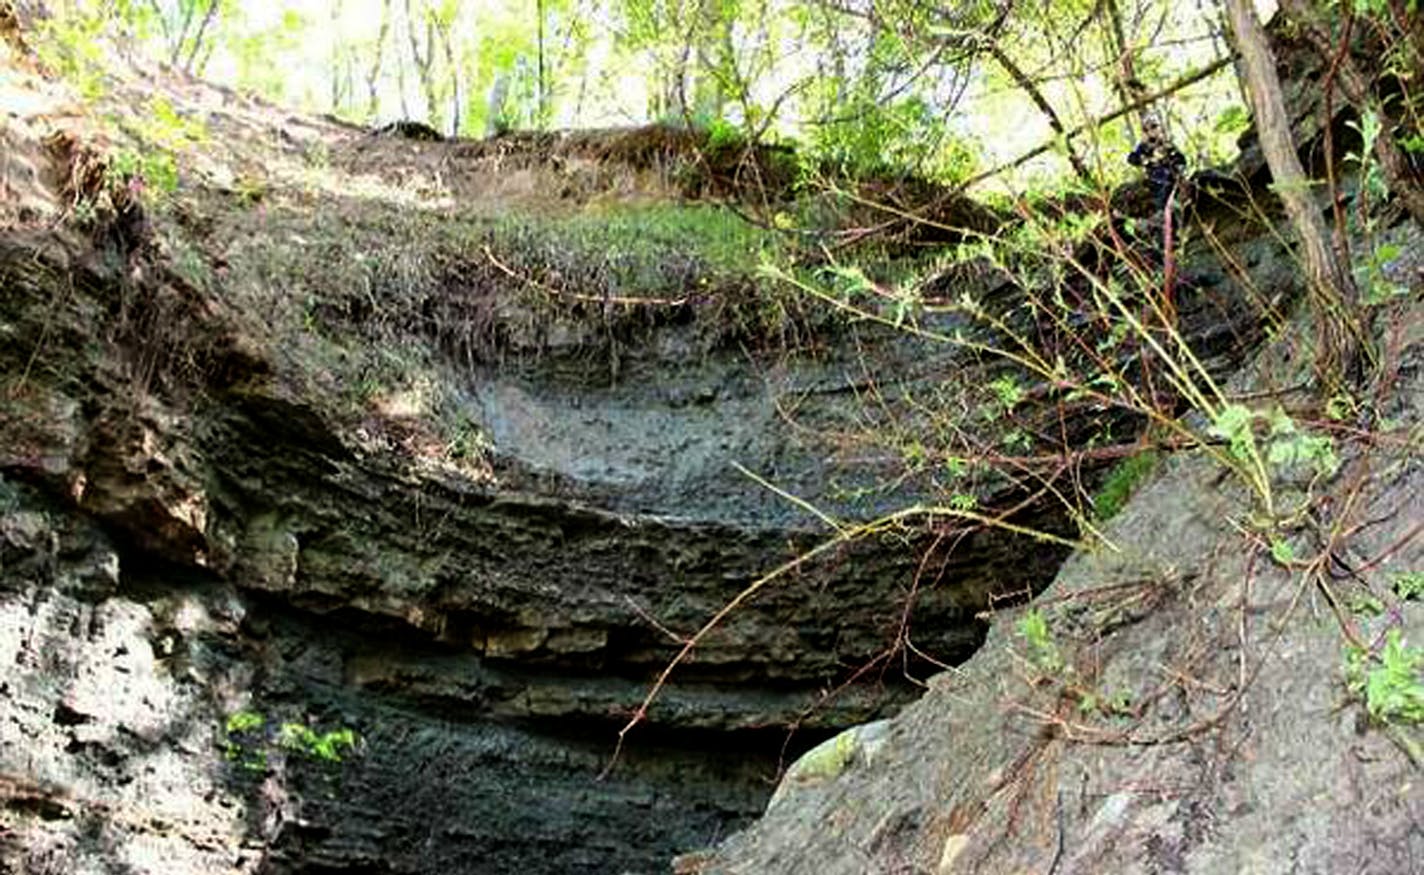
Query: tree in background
<point x="1331" y="287"/>
<point x="1037" y="90"/>
<point x="189" y="29"/>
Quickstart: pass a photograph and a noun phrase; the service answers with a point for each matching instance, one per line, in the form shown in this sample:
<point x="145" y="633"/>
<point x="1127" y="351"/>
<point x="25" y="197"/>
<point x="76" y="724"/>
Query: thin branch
<point x="1167" y="90"/>
<point x="843" y="536"/>
<point x="198" y="37"/>
<point x="1017" y="74"/>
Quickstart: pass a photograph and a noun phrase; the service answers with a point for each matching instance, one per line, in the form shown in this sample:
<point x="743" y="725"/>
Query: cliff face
<point x="344" y="518"/>
<point x="274" y="603"/>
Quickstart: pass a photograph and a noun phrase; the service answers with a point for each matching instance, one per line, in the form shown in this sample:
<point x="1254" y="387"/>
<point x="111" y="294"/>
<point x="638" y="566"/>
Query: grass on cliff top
<point x="492" y="286"/>
<point x="716" y="236"/>
<point x="378" y="272"/>
<point x="319" y="228"/>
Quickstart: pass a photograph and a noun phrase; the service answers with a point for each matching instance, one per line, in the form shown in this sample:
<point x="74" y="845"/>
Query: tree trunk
<point x="494" y="112"/>
<point x="373" y="76"/>
<point x="1125" y="84"/>
<point x="447" y="41"/>
<point x="336" y="59"/>
<point x="182" y="35"/>
<point x="424" y="61"/>
<point x="1331" y="289"/>
<point x="433" y="109"/>
<point x="208" y="18"/>
<point x="542" y="102"/>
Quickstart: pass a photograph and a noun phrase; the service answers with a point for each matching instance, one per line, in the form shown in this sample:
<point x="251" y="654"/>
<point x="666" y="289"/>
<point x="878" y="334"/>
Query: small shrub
<point x="1043" y="650"/>
<point x="1409" y="585"/>
<point x="723" y="136"/>
<point x="1388" y="682"/>
<point x="323" y="746"/>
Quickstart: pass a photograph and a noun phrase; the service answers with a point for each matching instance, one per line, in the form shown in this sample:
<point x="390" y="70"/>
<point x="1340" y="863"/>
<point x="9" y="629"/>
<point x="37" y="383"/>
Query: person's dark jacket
<point x="1163" y="165"/>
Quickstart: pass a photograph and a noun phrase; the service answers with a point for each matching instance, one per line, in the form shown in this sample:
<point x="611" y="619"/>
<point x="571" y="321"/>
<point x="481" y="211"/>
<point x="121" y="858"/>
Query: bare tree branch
<point x="1034" y="94"/>
<point x="1182" y="82"/>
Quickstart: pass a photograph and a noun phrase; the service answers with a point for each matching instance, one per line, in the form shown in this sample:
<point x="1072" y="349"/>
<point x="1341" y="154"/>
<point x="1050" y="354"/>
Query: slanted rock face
<point x="483" y="643"/>
<point x="197" y="562"/>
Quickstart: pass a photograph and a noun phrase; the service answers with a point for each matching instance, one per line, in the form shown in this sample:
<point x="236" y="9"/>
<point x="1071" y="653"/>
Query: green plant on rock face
<point x="468" y="442"/>
<point x="243" y="744"/>
<point x="1370" y="273"/>
<point x="244" y="721"/>
<point x="163" y="125"/>
<point x="1043" y="650"/>
<point x="1007" y="392"/>
<point x="1053" y="668"/>
<point x="1290" y="447"/>
<point x="247" y="741"/>
<point x="1372" y="179"/>
<point x="1389" y="683"/>
<point x="1409" y="585"/>
<point x="1121" y="482"/>
<point x="323" y="746"/>
<point x="155" y="171"/>
<point x="1378" y="287"/>
<point x="1282" y="552"/>
<point x="1283" y="447"/>
<point x="1113" y="705"/>
<point x="1233" y="424"/>
<point x="1365" y="605"/>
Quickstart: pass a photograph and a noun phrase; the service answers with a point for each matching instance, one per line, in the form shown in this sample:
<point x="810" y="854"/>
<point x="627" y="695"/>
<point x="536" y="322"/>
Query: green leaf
<point x="1410" y="585"/>
<point x="1008" y="391"/>
<point x="963" y="501"/>
<point x="1393" y="692"/>
<point x="1366" y="605"/>
<point x="1233" y="423"/>
<point x="1282" y="552"/>
<point x="244" y="721"/>
<point x="1386" y="253"/>
<point x="1318" y="452"/>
